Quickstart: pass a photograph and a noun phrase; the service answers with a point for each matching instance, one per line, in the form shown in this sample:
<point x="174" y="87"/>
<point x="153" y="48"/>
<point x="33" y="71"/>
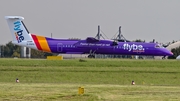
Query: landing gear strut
<point x="91" y="54"/>
<point x="164" y="57"/>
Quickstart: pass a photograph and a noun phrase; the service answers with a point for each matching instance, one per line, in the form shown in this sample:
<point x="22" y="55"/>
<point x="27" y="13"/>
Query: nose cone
<point x="172" y="53"/>
<point x="167" y="52"/>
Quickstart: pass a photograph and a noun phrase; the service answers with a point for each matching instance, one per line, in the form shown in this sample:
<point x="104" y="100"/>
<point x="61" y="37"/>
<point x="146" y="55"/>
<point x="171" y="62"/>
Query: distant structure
<point x="25" y="52"/>
<point x="120" y="37"/>
<point x="173" y="45"/>
<point x="99" y="35"/>
<point x="28" y="52"/>
<point x="0" y="51"/>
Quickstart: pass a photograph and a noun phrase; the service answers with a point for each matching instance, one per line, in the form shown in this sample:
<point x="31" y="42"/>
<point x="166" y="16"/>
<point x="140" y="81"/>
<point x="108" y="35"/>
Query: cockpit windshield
<point x="158" y="46"/>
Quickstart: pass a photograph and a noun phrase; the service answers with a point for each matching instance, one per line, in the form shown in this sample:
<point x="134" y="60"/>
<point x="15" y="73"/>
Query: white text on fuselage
<point x="133" y="47"/>
<point x="94" y="44"/>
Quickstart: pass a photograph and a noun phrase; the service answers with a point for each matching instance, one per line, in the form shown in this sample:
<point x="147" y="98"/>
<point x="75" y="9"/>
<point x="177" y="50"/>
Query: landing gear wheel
<point x="91" y="56"/>
<point x="164" y="57"/>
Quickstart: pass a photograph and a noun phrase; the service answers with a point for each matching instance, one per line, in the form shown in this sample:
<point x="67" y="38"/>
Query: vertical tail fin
<point x="18" y="29"/>
<point x="22" y="37"/>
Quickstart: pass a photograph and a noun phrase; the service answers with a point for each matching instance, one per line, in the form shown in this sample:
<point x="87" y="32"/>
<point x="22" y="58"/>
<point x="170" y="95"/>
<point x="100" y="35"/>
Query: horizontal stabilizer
<point x="14" y="17"/>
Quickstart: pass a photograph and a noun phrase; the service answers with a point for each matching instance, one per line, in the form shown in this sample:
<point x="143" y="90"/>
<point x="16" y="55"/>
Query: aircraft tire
<point x="163" y="57"/>
<point x="91" y="56"/>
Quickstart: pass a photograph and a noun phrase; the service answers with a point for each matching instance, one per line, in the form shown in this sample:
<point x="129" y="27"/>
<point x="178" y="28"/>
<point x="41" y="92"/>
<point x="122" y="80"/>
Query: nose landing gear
<point x="164" y="57"/>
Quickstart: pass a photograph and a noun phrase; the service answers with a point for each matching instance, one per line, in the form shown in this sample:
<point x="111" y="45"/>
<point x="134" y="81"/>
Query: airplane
<point x="90" y="45"/>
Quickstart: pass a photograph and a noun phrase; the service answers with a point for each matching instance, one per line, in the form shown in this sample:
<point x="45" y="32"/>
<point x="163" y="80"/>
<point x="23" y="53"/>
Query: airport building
<point x="174" y="45"/>
<point x="25" y="52"/>
<point x="0" y="52"/>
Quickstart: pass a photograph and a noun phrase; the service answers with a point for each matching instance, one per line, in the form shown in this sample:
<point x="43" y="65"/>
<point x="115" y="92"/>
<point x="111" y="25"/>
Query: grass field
<point x="103" y="80"/>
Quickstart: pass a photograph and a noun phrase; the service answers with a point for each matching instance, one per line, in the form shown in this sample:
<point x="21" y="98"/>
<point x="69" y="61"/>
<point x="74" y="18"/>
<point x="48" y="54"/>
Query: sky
<point x="139" y="19"/>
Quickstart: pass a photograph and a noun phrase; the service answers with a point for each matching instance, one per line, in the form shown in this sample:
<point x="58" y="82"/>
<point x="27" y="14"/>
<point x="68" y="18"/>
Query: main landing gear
<point x="91" y="54"/>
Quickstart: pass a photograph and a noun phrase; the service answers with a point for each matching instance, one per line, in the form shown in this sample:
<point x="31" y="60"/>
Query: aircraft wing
<point x="91" y="40"/>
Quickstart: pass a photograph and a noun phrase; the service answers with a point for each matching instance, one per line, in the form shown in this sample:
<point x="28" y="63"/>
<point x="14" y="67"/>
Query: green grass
<point x="103" y="80"/>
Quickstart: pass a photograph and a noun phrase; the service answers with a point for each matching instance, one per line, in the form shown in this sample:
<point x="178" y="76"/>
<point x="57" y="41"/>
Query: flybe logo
<point x="18" y="31"/>
<point x="133" y="47"/>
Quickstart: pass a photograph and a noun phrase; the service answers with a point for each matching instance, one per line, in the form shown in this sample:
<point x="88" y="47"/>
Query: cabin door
<point x="59" y="47"/>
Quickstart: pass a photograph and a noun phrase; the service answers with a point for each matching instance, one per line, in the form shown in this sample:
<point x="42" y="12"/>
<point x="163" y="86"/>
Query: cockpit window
<point x="158" y="46"/>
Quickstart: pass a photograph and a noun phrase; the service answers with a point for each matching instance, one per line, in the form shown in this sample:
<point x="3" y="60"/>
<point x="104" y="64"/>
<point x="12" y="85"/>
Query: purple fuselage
<point x="92" y="45"/>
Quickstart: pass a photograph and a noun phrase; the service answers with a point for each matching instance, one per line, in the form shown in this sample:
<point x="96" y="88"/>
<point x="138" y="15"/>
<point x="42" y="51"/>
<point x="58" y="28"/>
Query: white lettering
<point x="133" y="47"/>
<point x="94" y="44"/>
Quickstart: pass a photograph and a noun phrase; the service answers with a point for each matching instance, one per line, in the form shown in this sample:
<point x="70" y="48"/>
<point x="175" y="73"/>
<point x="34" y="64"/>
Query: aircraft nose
<point x="169" y="53"/>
